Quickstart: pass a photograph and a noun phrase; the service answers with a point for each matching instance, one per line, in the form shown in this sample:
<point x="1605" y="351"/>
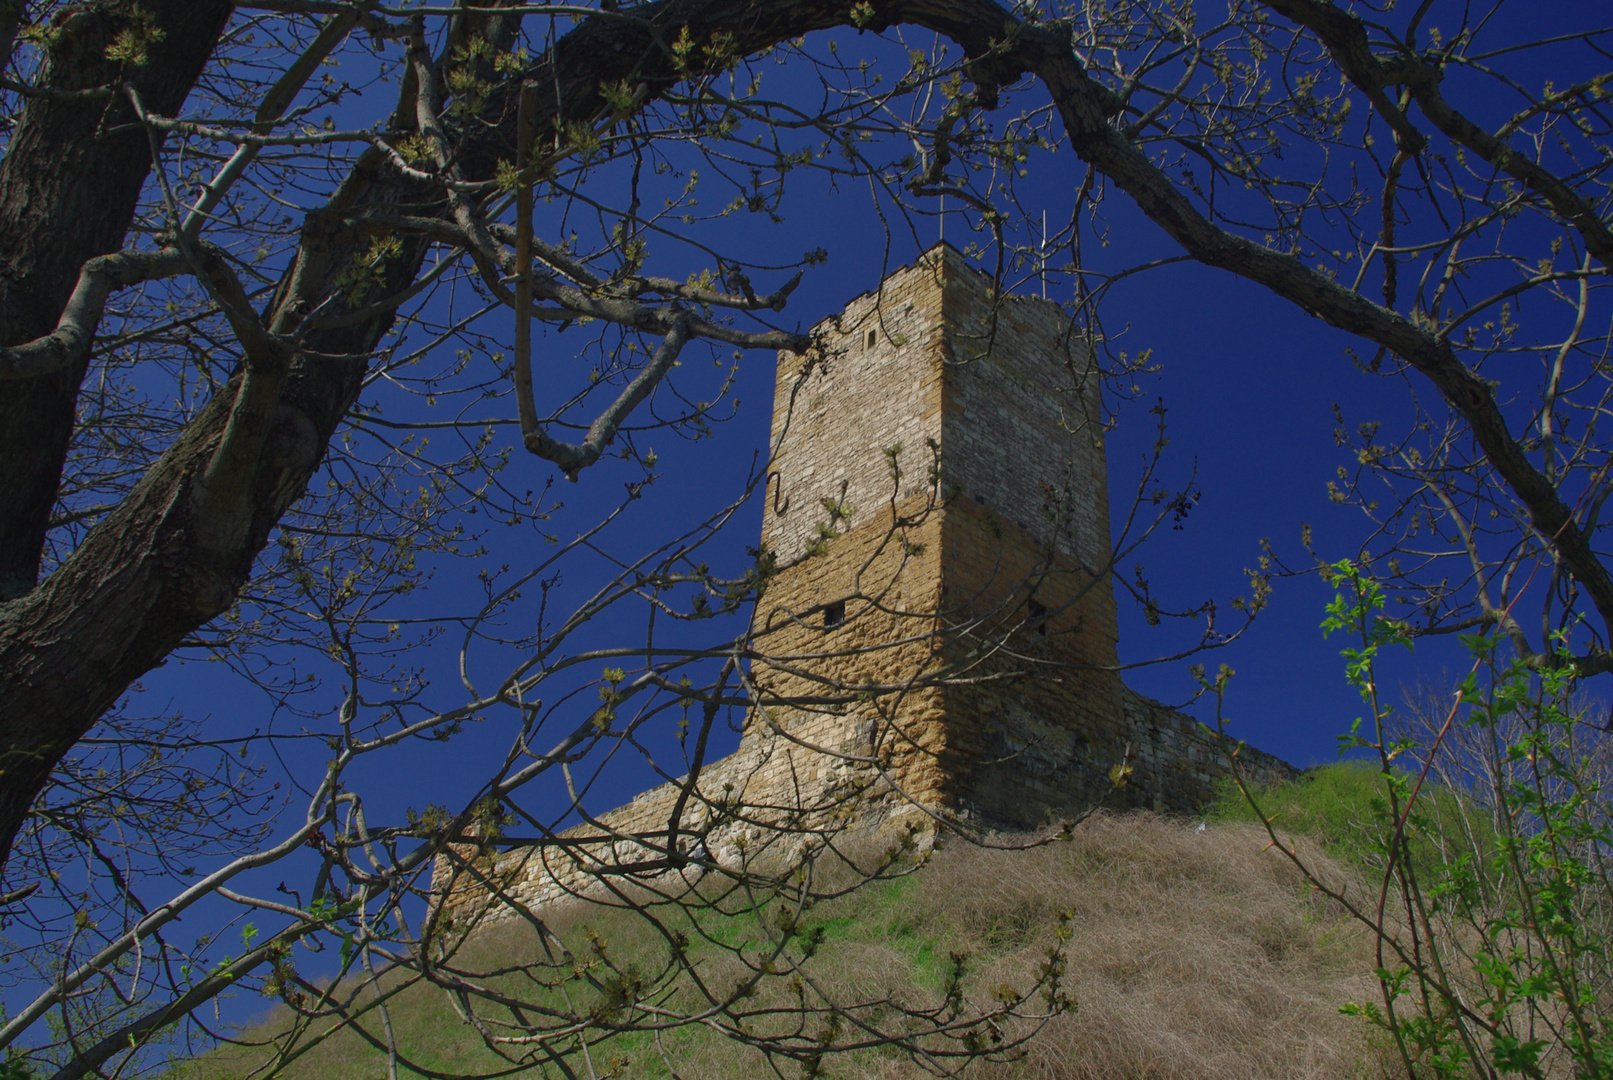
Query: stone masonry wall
<point x="1038" y="723"/>
<point x="1022" y="430"/>
<point x="1176" y="760"/>
<point x="836" y="412"/>
<point x="812" y="680"/>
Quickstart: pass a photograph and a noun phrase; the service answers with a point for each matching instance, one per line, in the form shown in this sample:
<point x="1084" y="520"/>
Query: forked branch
<point x="573" y="459"/>
<point x="70" y="341"/>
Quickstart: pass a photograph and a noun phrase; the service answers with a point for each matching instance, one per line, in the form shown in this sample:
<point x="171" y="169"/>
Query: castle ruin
<point x="939" y="636"/>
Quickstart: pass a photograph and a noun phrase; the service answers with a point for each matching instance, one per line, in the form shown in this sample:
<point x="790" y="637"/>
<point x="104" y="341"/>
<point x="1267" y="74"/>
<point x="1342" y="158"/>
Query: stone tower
<point x="951" y="438"/>
<point x="937" y="639"/>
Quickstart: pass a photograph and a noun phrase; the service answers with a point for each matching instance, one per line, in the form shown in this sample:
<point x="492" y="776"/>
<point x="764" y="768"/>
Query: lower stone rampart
<point x="774" y="794"/>
<point x="1176" y="761"/>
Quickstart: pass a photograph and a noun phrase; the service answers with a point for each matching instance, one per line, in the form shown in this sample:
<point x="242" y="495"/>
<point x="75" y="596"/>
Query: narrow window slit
<point x="1038" y="615"/>
<point x="834" y="614"/>
<point x="870" y="339"/>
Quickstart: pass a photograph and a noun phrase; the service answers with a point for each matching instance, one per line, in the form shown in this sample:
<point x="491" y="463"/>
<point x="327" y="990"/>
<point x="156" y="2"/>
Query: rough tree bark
<point x="69" y="182"/>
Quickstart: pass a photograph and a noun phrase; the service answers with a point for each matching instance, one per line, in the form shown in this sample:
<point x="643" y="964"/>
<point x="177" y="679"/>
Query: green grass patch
<point x="1345" y="808"/>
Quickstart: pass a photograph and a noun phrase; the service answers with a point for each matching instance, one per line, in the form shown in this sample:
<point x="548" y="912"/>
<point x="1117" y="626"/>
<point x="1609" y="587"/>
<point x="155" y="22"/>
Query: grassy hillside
<point x="1195" y="954"/>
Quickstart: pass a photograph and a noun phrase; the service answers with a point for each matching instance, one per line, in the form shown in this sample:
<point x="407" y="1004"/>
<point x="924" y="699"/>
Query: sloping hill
<point x="1196" y="955"/>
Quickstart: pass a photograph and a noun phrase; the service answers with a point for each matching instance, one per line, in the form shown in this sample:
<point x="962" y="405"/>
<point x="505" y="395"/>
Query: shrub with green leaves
<point x="1490" y="905"/>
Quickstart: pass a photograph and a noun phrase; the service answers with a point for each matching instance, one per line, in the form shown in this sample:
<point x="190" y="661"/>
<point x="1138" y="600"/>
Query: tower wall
<point x="1001" y="395"/>
<point x="1026" y="541"/>
<point x="839" y="408"/>
<point x="951" y="438"/>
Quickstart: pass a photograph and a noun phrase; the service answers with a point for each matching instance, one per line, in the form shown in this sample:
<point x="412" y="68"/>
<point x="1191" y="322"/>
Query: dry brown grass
<point x="1195" y="956"/>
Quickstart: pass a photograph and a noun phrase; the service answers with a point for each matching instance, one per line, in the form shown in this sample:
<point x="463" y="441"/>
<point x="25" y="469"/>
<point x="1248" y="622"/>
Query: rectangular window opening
<point x="871" y="339"/>
<point x="1037" y="613"/>
<point x="834" y="614"/>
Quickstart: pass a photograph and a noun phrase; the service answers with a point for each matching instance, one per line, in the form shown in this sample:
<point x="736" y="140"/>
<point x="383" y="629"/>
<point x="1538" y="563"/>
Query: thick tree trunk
<point x="168" y="559"/>
<point x="69" y="184"/>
